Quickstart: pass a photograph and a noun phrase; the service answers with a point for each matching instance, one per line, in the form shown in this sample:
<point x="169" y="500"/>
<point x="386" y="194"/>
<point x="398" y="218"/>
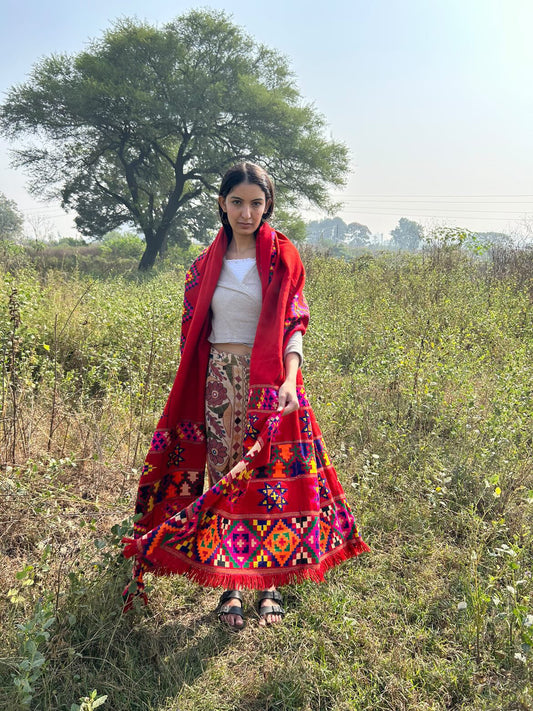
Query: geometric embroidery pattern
<point x="273" y="257"/>
<point x="187" y="311"/>
<point x="263" y="399"/>
<point x="192" y="276"/>
<point x="190" y="431"/>
<point x="160" y="441"/>
<point x="278" y="542"/>
<point x="207" y="540"/>
<point x="175" y="457"/>
<point x="241" y="543"/>
<point x="274" y="496"/>
<point x="297" y="310"/>
<point x="305" y="423"/>
<point x="147" y="468"/>
<point x="281" y="543"/>
<point x="302" y="397"/>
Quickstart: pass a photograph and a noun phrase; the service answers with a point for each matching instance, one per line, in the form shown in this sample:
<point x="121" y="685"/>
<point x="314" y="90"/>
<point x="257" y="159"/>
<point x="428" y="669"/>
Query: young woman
<point x="274" y="511"/>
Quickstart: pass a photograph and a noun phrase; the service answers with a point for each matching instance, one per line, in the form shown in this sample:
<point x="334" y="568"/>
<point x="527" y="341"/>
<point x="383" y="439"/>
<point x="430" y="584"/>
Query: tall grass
<point x="419" y="371"/>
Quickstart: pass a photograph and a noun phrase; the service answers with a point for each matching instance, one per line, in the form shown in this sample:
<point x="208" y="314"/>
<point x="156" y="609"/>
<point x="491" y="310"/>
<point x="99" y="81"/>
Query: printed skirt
<point x="227" y="386"/>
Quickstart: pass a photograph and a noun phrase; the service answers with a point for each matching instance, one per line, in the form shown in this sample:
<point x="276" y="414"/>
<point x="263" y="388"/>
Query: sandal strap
<point x="269" y="595"/>
<point x="271" y="610"/>
<point x="230" y="610"/>
<point x="275" y="609"/>
<point x="228" y="595"/>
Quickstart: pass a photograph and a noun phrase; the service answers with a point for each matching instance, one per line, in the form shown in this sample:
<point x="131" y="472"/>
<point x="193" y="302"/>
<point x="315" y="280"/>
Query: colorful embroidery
<point x="146" y="469"/>
<point x="302" y="397"/>
<point x="245" y="544"/>
<point x="273" y="256"/>
<point x="187" y="311"/>
<point x="274" y="496"/>
<point x="176" y="457"/>
<point x="297" y="310"/>
<point x="190" y="431"/>
<point x="160" y="441"/>
<point x="263" y="399"/>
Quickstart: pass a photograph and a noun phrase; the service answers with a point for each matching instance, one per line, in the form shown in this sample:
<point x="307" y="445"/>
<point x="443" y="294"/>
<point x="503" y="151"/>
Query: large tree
<point x="145" y="121"/>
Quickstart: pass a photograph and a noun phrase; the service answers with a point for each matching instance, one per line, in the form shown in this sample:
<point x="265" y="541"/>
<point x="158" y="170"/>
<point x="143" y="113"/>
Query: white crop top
<point x="236" y="305"/>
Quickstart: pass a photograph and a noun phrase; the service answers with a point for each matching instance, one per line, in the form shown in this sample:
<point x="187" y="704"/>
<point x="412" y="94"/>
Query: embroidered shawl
<point x="280" y="515"/>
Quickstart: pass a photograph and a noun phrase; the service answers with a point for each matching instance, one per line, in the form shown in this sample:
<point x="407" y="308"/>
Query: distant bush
<point x="122" y="244"/>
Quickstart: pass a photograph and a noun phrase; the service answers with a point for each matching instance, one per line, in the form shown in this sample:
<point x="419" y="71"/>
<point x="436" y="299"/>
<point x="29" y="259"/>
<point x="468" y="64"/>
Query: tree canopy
<point x="334" y="229"/>
<point x="10" y="218"/>
<point x="138" y="129"/>
<point x="407" y="234"/>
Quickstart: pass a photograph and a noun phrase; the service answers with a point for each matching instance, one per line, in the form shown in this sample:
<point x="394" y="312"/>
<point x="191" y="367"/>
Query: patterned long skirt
<point x="228" y="377"/>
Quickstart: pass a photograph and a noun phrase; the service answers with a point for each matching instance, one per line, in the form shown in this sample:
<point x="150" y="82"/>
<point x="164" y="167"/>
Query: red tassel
<point x="165" y="564"/>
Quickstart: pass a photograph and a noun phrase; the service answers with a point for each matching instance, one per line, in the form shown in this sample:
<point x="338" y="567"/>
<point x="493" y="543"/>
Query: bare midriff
<point x="235" y="348"/>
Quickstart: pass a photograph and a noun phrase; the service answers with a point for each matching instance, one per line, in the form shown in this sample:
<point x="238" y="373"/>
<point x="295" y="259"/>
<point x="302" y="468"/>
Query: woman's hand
<point x="287" y="393"/>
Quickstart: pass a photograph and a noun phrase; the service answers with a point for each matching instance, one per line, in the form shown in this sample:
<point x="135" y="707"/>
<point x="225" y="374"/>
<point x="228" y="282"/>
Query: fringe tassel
<point x="165" y="564"/>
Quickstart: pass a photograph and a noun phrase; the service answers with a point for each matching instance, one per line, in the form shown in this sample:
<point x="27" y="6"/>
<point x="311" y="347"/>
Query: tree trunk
<point x="155" y="242"/>
<point x="164" y="246"/>
<point x="150" y="252"/>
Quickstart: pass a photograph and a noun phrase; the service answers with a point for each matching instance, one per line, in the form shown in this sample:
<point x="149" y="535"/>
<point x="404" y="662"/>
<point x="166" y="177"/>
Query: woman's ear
<point x="222" y="203"/>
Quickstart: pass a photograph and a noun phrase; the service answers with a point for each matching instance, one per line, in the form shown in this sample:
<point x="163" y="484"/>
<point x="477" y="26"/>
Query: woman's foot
<point x="269" y="607"/>
<point x="229" y="609"/>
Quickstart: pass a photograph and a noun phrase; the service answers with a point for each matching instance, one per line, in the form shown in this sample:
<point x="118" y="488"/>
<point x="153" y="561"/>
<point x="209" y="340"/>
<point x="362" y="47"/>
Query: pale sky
<point x="434" y="98"/>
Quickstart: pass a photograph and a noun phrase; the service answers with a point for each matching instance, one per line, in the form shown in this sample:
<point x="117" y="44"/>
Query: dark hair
<point x="246" y="173"/>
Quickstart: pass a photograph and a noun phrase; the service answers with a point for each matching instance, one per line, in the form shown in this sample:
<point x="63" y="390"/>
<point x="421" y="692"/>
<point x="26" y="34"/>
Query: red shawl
<point x="280" y="515"/>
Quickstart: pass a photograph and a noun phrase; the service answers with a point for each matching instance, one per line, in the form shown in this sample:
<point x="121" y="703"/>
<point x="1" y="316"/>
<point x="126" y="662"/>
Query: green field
<point x="419" y="369"/>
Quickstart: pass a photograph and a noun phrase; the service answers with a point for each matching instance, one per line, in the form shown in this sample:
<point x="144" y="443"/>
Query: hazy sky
<point x="434" y="98"/>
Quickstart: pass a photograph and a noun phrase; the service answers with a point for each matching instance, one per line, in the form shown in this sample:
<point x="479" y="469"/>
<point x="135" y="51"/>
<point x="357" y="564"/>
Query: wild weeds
<point x="418" y="368"/>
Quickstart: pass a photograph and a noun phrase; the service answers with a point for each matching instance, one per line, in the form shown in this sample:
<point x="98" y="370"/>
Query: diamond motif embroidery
<point x="241" y="544"/>
<point x="281" y="542"/>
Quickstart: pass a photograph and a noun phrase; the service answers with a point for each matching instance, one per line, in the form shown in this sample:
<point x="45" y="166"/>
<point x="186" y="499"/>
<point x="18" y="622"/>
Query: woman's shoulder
<point x="287" y="247"/>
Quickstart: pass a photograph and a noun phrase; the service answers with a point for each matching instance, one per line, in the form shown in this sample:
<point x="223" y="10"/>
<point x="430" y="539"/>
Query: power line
<point x="450" y="216"/>
<point x="442" y="202"/>
<point x="450" y="210"/>
<point x="426" y="195"/>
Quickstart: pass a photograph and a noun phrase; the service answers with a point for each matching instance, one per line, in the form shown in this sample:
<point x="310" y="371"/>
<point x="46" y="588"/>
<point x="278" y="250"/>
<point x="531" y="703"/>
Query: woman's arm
<point x="287" y="392"/>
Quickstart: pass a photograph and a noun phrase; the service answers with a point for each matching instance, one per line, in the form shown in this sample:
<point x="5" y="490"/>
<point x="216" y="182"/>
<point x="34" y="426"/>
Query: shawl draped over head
<point x="280" y="514"/>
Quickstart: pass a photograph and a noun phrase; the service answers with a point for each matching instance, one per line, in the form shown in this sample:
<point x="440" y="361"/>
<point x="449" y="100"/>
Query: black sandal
<point x="224" y="609"/>
<point x="275" y="609"/>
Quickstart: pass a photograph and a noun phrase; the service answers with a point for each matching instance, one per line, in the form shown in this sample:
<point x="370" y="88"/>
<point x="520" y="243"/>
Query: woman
<point x="274" y="511"/>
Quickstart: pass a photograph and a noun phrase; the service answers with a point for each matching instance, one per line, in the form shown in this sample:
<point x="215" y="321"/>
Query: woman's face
<point x="245" y="205"/>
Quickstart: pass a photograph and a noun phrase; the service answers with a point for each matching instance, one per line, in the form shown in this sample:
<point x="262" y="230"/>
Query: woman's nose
<point x="246" y="212"/>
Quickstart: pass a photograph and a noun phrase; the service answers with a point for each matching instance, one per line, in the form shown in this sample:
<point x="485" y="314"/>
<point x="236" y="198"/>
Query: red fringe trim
<point x="165" y="564"/>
